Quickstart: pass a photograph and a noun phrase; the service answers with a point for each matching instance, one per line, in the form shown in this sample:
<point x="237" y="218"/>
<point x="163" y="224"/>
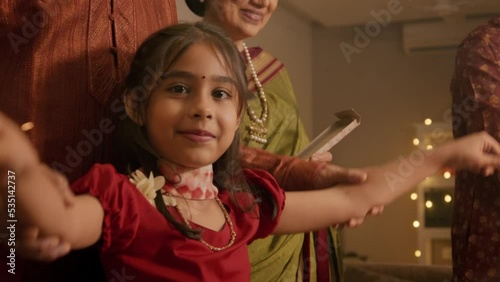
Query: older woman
<point x="272" y="123"/>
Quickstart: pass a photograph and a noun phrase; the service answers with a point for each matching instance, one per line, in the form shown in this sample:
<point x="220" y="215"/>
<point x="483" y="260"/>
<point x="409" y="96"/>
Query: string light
<point x="447" y="198"/>
<point x="426" y="141"/>
<point x="428" y="204"/>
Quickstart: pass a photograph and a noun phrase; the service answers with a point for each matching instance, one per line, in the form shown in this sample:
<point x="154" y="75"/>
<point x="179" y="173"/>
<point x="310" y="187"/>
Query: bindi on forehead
<point x="203" y="77"/>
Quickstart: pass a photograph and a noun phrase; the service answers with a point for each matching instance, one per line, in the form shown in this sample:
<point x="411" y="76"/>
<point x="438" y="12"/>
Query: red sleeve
<point x="293" y="174"/>
<point x="271" y="208"/>
<point x="118" y="196"/>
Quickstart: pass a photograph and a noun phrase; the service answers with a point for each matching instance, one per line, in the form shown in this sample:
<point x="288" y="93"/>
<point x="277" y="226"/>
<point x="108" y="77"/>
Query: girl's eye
<point x="178" y="89"/>
<point x="220" y="94"/>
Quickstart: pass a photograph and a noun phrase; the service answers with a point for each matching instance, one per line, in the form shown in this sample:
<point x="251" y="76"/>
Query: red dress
<point x="138" y="243"/>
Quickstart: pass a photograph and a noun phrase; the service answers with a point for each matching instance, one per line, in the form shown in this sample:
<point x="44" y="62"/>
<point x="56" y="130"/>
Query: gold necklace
<point x="226" y="216"/>
<point x="257" y="128"/>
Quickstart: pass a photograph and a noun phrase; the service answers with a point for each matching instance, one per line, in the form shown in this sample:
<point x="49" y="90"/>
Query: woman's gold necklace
<point x="257" y="128"/>
<point x="226" y="216"/>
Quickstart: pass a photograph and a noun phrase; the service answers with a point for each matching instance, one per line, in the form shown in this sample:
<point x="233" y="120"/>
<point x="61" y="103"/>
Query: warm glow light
<point x="27" y="126"/>
<point x="416" y="141"/>
<point x="429" y="147"/>
<point x="418" y="253"/>
<point x="416" y="224"/>
<point x="428" y="204"/>
<point x="428" y="121"/>
<point x="414" y="196"/>
<point x="447" y="174"/>
<point x="447" y="198"/>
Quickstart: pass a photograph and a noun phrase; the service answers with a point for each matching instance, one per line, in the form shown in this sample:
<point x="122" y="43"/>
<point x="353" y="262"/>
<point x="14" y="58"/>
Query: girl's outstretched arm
<point x="29" y="190"/>
<point x="312" y="210"/>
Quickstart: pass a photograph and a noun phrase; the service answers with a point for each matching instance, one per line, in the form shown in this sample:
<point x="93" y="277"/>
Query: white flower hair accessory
<point x="149" y="185"/>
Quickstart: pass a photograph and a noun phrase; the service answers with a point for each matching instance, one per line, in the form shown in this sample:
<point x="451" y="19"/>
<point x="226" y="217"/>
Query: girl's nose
<point x="261" y="3"/>
<point x="202" y="108"/>
<point x="205" y="114"/>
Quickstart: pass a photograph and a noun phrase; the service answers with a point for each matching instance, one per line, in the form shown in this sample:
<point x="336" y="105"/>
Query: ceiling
<point x="331" y="13"/>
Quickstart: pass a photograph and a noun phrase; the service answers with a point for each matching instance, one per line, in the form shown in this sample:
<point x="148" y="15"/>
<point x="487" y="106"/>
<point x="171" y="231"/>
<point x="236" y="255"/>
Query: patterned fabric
<point x="476" y="107"/>
<point x="62" y="63"/>
<point x="138" y="241"/>
<point x="285" y="257"/>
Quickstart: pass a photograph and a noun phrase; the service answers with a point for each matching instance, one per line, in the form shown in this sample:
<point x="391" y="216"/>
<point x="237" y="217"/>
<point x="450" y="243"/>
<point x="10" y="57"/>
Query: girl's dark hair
<point x="154" y="58"/>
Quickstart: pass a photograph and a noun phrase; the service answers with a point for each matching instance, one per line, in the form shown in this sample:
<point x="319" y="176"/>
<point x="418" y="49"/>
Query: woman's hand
<point x="322" y="157"/>
<point x="331" y="175"/>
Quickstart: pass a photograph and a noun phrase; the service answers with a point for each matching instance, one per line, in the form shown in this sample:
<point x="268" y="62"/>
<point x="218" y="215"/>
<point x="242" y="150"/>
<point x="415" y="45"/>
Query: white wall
<point x="391" y="92"/>
<point x="289" y="38"/>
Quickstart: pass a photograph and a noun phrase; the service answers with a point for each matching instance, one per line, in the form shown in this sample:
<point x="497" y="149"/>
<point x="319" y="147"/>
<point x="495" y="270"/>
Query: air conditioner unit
<point x="435" y="36"/>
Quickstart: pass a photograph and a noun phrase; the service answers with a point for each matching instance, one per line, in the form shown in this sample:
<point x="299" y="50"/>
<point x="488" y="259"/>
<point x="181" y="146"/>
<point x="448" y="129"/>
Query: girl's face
<point x="241" y="19"/>
<point x="193" y="115"/>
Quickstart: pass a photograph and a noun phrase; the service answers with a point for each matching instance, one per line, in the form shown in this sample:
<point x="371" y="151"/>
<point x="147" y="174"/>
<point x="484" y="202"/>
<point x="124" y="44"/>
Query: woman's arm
<point x="35" y="197"/>
<point x="312" y="210"/>
<point x="294" y="174"/>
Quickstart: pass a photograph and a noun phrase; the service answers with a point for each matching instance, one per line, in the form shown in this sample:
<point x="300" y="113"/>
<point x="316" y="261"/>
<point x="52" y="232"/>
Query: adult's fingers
<point x="322" y="157"/>
<point x="47" y="249"/>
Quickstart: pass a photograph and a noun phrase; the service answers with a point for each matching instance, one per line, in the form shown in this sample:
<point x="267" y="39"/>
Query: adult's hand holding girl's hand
<point x="332" y="175"/>
<point x="478" y="152"/>
<point x="18" y="156"/>
<point x="35" y="246"/>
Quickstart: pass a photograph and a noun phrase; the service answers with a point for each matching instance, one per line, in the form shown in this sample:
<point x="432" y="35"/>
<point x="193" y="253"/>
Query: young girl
<point x="185" y="96"/>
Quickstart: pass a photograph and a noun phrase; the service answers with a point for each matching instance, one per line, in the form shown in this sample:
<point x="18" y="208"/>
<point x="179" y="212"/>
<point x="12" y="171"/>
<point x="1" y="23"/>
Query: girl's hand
<point x="478" y="152"/>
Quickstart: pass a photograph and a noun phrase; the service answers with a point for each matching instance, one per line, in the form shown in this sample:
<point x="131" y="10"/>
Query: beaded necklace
<point x="257" y="128"/>
<point x="226" y="216"/>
